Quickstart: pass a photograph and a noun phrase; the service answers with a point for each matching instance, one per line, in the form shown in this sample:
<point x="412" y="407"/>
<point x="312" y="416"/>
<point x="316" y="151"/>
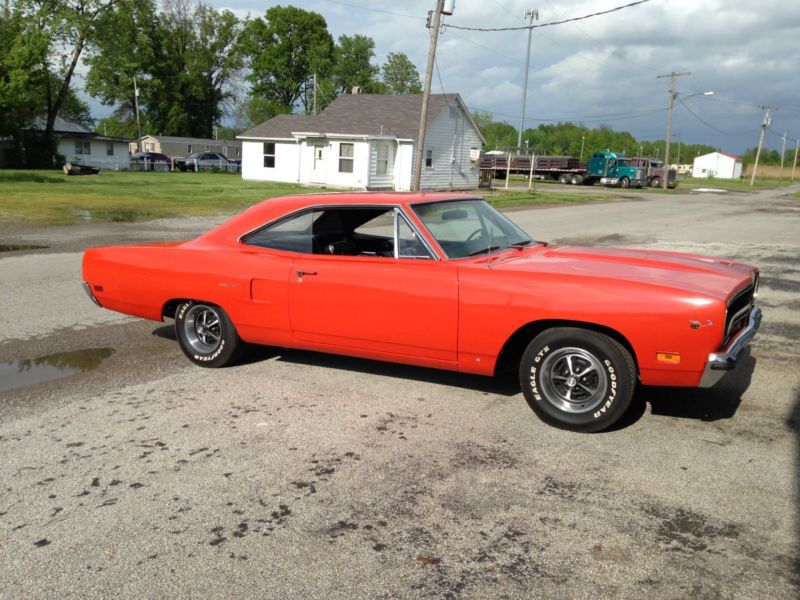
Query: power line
<point x="710" y="126"/>
<point x="377" y="10"/>
<point x="551" y="23"/>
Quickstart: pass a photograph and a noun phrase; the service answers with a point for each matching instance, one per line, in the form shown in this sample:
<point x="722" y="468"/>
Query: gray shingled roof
<point x="61" y="125"/>
<point x="358" y="114"/>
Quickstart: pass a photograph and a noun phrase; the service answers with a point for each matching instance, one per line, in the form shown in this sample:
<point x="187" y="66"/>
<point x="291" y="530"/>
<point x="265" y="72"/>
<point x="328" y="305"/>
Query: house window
<point x="346" y="158"/>
<point x="269" y="155"/>
<point x="109" y="148"/>
<point x="428" y="159"/>
<point x="382" y="158"/>
<point x="188" y="148"/>
<point x="82" y="147"/>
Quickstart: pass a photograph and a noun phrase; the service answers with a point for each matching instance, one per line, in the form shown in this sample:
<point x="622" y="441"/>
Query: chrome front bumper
<point x="721" y="362"/>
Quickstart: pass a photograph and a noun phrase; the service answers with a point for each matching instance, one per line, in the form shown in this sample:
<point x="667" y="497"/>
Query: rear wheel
<point x="577" y="379"/>
<point x="206" y="334"/>
<point x="624" y="182"/>
<point x="576" y="179"/>
<point x="564" y="178"/>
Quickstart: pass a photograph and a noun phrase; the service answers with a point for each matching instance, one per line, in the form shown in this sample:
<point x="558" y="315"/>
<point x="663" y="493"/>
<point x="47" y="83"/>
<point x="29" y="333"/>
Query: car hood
<point x="715" y="277"/>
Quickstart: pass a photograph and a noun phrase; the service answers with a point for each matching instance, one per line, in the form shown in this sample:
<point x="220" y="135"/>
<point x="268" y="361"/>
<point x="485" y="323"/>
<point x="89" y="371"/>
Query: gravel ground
<point x="303" y="475"/>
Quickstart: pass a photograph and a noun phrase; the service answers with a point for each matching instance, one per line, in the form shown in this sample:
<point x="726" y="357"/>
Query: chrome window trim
<point x="399" y="212"/>
<point x="395" y="208"/>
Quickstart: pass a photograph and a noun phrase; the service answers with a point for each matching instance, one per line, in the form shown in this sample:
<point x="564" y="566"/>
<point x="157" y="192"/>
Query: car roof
<point x="274" y="208"/>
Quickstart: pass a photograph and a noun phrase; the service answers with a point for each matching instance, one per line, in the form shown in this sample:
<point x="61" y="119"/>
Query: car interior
<point x="343" y="231"/>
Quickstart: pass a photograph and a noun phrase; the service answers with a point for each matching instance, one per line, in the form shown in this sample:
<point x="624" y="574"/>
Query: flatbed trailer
<point x="607" y="168"/>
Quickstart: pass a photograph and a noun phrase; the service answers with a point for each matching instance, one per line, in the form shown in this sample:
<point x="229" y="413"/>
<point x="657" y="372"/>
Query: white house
<point x="717" y="164"/>
<point x="80" y="145"/>
<point x="367" y="141"/>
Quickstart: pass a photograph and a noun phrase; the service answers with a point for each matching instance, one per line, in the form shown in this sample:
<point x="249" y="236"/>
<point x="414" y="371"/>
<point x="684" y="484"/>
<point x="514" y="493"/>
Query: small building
<point x="80" y="145"/>
<point x="178" y="147"/>
<point x="717" y="164"/>
<point x="367" y="141"/>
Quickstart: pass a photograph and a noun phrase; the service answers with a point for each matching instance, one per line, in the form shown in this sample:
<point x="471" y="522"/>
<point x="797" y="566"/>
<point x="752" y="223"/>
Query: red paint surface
<point x="452" y="314"/>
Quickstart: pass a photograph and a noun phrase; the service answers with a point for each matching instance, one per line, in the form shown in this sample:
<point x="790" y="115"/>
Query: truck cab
<point x="611" y="168"/>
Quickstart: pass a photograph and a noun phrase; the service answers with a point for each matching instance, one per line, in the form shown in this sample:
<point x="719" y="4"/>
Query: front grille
<point x="739" y="312"/>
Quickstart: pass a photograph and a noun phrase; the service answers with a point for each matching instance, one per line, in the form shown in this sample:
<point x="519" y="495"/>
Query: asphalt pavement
<point x="304" y="475"/>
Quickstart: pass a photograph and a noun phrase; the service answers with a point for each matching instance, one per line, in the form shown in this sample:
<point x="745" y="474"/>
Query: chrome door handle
<point x="302" y="273"/>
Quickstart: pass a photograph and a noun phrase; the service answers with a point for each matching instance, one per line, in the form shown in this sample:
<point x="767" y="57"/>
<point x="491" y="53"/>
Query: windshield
<point x="469" y="227"/>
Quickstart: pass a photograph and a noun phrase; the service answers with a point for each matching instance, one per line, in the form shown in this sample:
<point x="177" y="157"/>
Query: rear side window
<point x="292" y="234"/>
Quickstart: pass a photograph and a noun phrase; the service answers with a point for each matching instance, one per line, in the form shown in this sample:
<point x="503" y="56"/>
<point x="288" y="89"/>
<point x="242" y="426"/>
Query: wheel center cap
<point x="572" y="381"/>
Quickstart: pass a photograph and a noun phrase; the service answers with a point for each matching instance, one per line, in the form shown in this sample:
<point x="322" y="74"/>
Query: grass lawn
<point x="690" y="183"/>
<point x="51" y="198"/>
<point x="502" y="199"/>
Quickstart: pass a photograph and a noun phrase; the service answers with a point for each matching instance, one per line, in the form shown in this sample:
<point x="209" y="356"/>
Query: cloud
<point x="607" y="65"/>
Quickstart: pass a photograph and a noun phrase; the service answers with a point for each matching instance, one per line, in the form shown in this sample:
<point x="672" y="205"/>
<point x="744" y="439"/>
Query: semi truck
<point x="604" y="167"/>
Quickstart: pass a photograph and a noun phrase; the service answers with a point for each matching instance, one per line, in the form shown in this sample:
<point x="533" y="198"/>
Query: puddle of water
<point x="18" y="247"/>
<point x="21" y="373"/>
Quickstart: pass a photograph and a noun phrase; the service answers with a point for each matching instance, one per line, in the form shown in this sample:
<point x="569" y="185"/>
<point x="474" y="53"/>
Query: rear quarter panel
<point x="249" y="285"/>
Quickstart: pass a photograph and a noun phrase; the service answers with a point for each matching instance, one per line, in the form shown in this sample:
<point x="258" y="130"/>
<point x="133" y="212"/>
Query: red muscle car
<point x="445" y="281"/>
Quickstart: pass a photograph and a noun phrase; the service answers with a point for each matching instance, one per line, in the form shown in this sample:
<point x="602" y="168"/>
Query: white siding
<point x="717" y="165"/>
<point x="98" y="153"/>
<point x="450" y="136"/>
<point x="287" y="164"/>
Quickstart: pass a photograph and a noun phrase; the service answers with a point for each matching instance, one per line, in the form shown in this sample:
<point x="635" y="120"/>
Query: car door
<point x="403" y="304"/>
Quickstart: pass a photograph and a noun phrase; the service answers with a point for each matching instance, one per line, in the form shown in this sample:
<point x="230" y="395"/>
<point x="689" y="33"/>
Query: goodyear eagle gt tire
<point x="577" y="379"/>
<point x="206" y="334"/>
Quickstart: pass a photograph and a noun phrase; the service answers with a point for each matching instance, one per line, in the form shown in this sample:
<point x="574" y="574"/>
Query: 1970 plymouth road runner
<point x="445" y="281"/>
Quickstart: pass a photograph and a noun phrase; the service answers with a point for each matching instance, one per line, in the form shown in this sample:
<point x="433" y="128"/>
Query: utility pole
<point x="764" y="124"/>
<point x="583" y="142"/>
<point x="794" y="166"/>
<point x="530" y="14"/>
<point x="314" y="101"/>
<point x="672" y="95"/>
<point x="426" y="92"/>
<point x="138" y="123"/>
<point x="783" y="152"/>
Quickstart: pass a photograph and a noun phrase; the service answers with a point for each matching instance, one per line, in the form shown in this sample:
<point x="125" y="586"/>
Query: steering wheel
<point x="474" y="235"/>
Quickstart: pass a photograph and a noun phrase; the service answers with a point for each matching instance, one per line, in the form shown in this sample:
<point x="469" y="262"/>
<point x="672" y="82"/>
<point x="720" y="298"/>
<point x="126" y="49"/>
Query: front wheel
<point x="624" y="182"/>
<point x="206" y="334"/>
<point x="577" y="379"/>
<point x="655" y="182"/>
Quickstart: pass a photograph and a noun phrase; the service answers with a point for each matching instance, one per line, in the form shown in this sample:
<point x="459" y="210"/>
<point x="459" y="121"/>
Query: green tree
<point x="62" y="29"/>
<point x="353" y="64"/>
<point x="284" y="51"/>
<point x="186" y="59"/>
<point x="498" y="135"/>
<point x="399" y="75"/>
<point x="253" y="110"/>
<point x="21" y="47"/>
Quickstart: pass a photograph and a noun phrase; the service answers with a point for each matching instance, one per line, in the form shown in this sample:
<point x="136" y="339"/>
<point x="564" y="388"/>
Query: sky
<point x="602" y="69"/>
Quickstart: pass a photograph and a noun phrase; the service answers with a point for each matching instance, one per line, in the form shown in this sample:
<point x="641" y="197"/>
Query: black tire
<point x="655" y="182"/>
<point x="564" y="178"/>
<point x="577" y="379"/>
<point x="624" y="182"/>
<point x="576" y="179"/>
<point x="206" y="334"/>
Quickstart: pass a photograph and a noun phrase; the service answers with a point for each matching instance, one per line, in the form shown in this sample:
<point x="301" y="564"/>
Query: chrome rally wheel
<point x="206" y="334"/>
<point x="574" y="380"/>
<point x="577" y="379"/>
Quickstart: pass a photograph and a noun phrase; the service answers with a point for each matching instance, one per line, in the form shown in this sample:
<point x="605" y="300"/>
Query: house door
<point x="318" y="172"/>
